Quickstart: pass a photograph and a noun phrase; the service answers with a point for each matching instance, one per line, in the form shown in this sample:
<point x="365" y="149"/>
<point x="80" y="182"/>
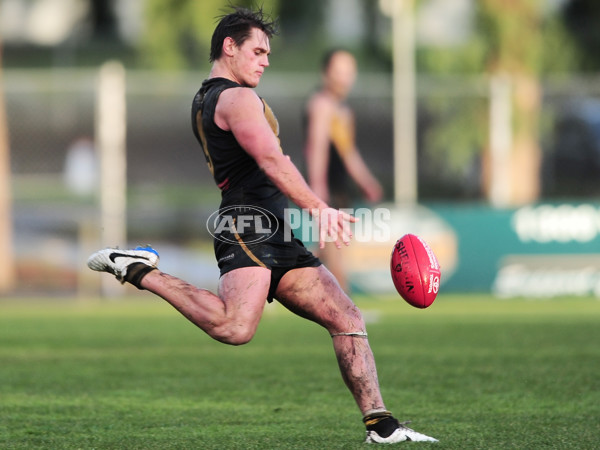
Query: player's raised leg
<point x="231" y="317"/>
<point x="126" y="265"/>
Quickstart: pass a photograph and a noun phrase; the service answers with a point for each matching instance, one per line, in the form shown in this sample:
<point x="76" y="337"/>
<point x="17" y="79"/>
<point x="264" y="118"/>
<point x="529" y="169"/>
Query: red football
<point x="415" y="271"/>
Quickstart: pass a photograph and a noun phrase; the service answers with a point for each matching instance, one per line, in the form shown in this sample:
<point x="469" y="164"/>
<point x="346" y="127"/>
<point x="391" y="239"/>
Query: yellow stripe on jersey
<point x="203" y="142"/>
<point x="248" y="252"/>
<point x="341" y="135"/>
<point x="273" y="122"/>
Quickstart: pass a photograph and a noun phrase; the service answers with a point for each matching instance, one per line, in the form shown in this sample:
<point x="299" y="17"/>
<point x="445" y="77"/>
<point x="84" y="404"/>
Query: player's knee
<point x="233" y="336"/>
<point x="358" y="321"/>
<point x="351" y="320"/>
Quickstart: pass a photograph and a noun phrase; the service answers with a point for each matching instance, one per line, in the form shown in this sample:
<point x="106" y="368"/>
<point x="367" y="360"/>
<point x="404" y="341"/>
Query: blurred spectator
<point x="331" y="153"/>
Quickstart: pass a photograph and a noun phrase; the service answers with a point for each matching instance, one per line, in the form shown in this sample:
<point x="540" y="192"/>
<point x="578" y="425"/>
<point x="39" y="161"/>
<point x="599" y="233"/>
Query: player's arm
<point x="360" y="173"/>
<point x="319" y="114"/>
<point x="240" y="111"/>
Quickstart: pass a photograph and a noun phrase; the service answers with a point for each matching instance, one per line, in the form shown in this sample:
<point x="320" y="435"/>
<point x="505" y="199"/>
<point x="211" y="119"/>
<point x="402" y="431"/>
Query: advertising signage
<point x="539" y="251"/>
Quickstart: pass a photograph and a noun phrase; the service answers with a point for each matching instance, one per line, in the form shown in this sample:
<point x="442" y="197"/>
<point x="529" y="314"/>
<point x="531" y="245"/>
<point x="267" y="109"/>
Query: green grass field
<point x="474" y="372"/>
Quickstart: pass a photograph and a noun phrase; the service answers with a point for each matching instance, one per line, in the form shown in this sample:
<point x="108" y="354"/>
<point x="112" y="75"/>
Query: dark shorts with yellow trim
<point x="276" y="254"/>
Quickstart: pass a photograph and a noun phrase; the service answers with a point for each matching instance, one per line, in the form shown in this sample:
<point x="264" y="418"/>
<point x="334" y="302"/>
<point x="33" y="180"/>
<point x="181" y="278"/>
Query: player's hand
<point x="373" y="192"/>
<point x="334" y="226"/>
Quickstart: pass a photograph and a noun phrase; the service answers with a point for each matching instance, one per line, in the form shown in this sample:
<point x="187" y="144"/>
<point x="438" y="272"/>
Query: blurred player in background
<point x="332" y="157"/>
<point x="238" y="133"/>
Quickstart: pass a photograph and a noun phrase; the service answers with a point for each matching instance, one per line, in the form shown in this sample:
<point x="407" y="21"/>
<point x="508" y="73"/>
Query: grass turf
<point x="472" y="371"/>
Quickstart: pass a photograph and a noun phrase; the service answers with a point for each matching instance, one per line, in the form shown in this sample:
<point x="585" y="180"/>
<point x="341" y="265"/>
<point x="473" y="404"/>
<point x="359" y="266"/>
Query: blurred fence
<point x="50" y="110"/>
<point x="51" y="116"/>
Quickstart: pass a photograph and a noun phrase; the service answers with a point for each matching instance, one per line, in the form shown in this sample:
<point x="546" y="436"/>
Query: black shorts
<point x="275" y="254"/>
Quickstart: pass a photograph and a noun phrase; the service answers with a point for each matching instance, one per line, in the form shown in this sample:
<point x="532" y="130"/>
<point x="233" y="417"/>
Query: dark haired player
<point x="238" y="134"/>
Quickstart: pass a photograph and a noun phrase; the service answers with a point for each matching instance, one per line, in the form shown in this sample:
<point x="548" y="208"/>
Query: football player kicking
<point x="238" y="134"/>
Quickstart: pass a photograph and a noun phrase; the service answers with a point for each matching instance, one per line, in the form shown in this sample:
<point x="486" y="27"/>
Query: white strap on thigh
<point x="362" y="334"/>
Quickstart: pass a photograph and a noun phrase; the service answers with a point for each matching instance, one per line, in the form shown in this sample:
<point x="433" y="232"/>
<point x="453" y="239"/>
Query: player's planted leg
<point x="383" y="428"/>
<point x="318" y="297"/>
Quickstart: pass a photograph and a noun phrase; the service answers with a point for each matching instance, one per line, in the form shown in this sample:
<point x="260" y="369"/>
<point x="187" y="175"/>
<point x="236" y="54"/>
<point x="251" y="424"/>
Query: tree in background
<point x="514" y="39"/>
<point x="515" y="42"/>
<point x="178" y="32"/>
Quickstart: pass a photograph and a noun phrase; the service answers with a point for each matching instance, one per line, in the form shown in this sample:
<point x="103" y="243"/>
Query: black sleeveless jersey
<point x="235" y="172"/>
<point x="243" y="238"/>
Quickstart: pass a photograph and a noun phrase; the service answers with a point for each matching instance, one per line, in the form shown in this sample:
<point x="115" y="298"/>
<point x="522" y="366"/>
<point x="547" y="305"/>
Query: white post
<point x="405" y="117"/>
<point x="501" y="138"/>
<point x="111" y="123"/>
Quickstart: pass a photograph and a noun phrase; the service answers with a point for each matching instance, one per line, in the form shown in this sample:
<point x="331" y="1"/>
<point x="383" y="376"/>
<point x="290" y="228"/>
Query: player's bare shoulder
<point x="234" y="104"/>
